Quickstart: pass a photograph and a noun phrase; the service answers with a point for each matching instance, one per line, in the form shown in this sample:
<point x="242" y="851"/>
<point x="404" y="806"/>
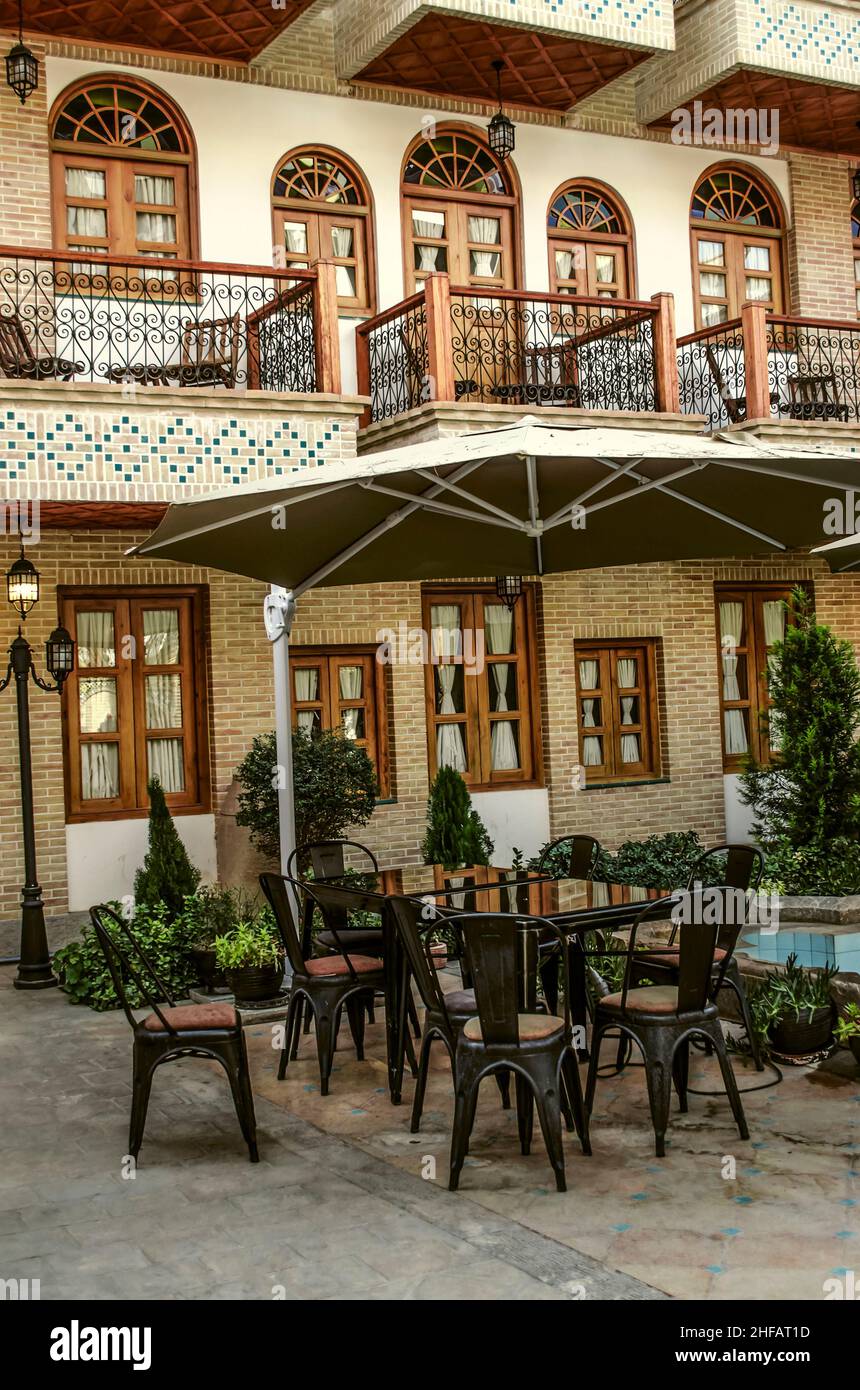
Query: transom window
<point x="321" y="210"/>
<point x="458" y="213"/>
<point x="343" y="689"/>
<point x="482" y="702"/>
<point x="750" y="619"/>
<point x="135" y="703"/>
<point x="616" y="689"/>
<point x="590" y="243"/>
<point x="737" y="250"/>
<point x="121" y="162"/>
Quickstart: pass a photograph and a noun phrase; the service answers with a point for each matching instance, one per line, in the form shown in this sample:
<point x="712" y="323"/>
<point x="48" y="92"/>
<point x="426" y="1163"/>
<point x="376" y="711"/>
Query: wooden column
<point x="667" y="390"/>
<point x="757" y="390"/>
<point x="326" y="336"/>
<point x="437" y="298"/>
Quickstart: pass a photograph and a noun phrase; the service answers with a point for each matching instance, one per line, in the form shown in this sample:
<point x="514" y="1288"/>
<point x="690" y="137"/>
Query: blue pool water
<point x="818" y="948"/>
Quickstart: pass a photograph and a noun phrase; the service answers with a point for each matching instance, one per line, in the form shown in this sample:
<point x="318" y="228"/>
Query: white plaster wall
<point x="242" y="132"/>
<point x="514" y="819"/>
<point x="738" y="817"/>
<point x="104" y="856"/>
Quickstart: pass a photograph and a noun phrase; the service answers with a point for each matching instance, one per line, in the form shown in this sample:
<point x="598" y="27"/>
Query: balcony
<point x="765" y="366"/>
<point x="159" y="323"/>
<point x="510" y="347"/>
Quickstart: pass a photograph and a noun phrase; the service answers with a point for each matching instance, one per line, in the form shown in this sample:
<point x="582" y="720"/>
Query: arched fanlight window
<point x="321" y="210"/>
<point x="855" y="237"/>
<point x="122" y="164"/>
<point x="590" y="242"/>
<point x="459" y="211"/>
<point x="737" y="244"/>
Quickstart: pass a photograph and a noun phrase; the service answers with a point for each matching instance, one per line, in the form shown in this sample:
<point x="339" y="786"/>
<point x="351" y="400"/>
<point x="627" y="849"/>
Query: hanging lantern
<point x="502" y="132"/>
<point x="508" y="589"/>
<point x="22" y="68"/>
<point x="60" y="655"/>
<point x="22" y="585"/>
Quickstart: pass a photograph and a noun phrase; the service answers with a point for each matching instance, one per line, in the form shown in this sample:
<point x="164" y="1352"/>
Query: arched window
<point x="321" y="210"/>
<point x="590" y="243"/>
<point x="459" y="212"/>
<point x="855" y="237"/>
<point x="737" y="245"/>
<point x="122" y="165"/>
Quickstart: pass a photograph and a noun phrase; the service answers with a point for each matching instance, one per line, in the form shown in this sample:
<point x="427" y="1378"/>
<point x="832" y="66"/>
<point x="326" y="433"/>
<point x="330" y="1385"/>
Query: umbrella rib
<point x="445" y="509"/>
<point x="534" y="509"/>
<point x="231" y="520"/>
<point x="468" y="496"/>
<point x="387" y="524"/>
<point x="644" y="485"/>
<point x="563" y="512"/>
<point x="789" y="477"/>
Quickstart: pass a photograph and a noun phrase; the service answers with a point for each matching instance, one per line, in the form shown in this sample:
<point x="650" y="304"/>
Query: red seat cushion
<point x="461" y="1001"/>
<point x="672" y="958"/>
<point x="336" y="965"/>
<point x="192" y="1017"/>
<point x="650" y="999"/>
<point x="532" y="1027"/>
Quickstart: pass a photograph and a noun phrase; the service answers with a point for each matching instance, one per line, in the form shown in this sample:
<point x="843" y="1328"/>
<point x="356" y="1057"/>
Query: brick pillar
<point x="25" y="170"/>
<point x="819" y="251"/>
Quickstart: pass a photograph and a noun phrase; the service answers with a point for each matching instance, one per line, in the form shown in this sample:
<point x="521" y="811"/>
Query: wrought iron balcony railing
<point x="152" y="322"/>
<point x="510" y="347"/>
<point x="769" y="366"/>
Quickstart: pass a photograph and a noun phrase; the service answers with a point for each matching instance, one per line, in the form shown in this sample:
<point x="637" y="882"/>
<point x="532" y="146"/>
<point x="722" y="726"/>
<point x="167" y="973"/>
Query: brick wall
<point x="25" y="188"/>
<point x="820" y="254"/>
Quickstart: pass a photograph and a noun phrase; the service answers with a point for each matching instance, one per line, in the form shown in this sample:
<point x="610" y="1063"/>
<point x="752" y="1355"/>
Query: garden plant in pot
<point x="847" y="1030"/>
<point x="252" y="959"/>
<point x="793" y="1011"/>
<point x="456" y="841"/>
<point x="208" y="914"/>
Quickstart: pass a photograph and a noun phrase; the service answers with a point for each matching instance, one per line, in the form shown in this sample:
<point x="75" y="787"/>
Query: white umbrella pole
<point x="280" y="608"/>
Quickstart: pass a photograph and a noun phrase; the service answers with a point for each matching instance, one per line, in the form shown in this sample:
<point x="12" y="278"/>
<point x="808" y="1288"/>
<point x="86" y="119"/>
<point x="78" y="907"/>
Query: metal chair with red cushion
<point x="328" y="984"/>
<point x="186" y="1030"/>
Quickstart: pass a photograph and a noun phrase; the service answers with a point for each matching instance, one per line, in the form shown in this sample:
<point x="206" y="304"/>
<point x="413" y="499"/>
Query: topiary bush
<point x="456" y="835"/>
<point x="167" y="875"/>
<point x="334" y="783"/>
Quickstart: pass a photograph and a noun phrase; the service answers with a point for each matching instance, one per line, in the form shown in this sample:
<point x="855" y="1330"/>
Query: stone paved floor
<point x="320" y="1216"/>
<point x="786" y="1221"/>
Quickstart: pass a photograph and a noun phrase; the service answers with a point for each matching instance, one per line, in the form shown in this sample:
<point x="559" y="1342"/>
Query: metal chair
<point x="580" y="854"/>
<point x="663" y="1019"/>
<point x="744" y="866"/>
<point x="509" y="1034"/>
<point x="189" y="1030"/>
<point x="325" y="983"/>
<point x="445" y="1014"/>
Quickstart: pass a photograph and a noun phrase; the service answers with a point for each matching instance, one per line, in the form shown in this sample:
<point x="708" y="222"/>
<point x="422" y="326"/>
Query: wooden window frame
<point x="120" y="163"/>
<point x="608" y="652"/>
<point x="736" y="235"/>
<point x="127" y="604"/>
<point x="754" y="654"/>
<point x="319" y="216"/>
<point x="374" y="702"/>
<point x="592" y="244"/>
<point x="477" y="719"/>
<point x="459" y="204"/>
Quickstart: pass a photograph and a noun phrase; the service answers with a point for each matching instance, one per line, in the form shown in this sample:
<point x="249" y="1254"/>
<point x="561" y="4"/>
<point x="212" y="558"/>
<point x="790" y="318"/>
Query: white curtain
<point x="153" y="188"/>
<point x="484" y="229"/>
<point x="564" y="265"/>
<point x="626" y="678"/>
<point x="163" y="700"/>
<point x="605" y="267"/>
<point x="85" y="183"/>
<point x="774" y="615"/>
<point x="99" y="771"/>
<point x="97" y="704"/>
<point x="307" y="686"/>
<point x="164" y="757"/>
<point x="592" y="747"/>
<point x="588" y="671"/>
<point x="161" y="636"/>
<point x="156" y="226"/>
<point x="349" y="679"/>
<point x="446" y="639"/>
<point x="341" y="241"/>
<point x="295" y="236"/>
<point x="95" y="640"/>
<point x="86" y="222"/>
<point x="499" y="630"/>
<point x="588" y="719"/>
<point x="430" y="224"/>
<point x="731" y="628"/>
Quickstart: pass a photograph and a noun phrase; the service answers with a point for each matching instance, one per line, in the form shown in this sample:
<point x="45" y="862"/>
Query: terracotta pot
<point x="810" y="1033"/>
<point x="254" y="982"/>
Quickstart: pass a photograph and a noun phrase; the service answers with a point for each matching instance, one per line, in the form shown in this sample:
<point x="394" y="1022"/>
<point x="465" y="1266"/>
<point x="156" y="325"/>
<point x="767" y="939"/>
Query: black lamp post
<point x="22" y="590"/>
<point x="502" y="133"/>
<point x="22" y="67"/>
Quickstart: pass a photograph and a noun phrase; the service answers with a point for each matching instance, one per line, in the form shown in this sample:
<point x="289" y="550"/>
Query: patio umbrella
<point x="841" y="555"/>
<point x="528" y="498"/>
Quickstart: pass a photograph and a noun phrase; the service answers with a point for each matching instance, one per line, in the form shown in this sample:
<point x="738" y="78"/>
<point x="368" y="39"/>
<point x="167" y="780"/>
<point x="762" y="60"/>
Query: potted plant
<point x="793" y="1011"/>
<point x="252" y="959"/>
<point x="209" y="913"/>
<point x="847" y="1030"/>
<point x="456" y="836"/>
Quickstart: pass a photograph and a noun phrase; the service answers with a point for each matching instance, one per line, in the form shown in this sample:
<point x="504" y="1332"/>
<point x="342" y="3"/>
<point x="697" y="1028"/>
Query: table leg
<point x="395" y="1005"/>
<point x="576" y="974"/>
